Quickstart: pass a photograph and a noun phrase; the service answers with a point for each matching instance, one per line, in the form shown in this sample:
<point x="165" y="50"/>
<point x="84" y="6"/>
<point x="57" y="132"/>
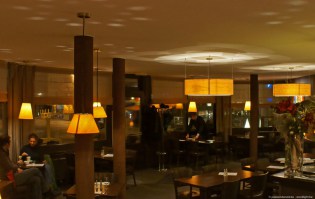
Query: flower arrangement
<point x="298" y="118"/>
<point x="294" y="121"/>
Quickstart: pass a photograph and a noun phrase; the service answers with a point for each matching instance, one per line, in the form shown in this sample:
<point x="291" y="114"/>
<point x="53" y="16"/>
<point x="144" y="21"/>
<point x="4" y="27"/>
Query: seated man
<point x="32" y="149"/>
<point x="31" y="177"/>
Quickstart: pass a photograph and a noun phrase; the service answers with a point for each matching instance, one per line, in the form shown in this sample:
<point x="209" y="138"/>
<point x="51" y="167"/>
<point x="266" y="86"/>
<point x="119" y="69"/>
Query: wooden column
<point x="83" y="103"/>
<point x="254" y="115"/>
<point x="118" y="82"/>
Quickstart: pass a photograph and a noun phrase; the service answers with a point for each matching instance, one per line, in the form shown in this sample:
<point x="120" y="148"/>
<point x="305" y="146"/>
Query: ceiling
<point x="167" y="38"/>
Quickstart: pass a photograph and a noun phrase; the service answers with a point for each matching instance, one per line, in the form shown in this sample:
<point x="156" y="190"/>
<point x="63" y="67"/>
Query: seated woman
<point x="31" y="177"/>
<point x="32" y="150"/>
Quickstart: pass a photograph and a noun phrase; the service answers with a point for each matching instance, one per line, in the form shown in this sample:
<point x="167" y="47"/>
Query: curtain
<point x="20" y="89"/>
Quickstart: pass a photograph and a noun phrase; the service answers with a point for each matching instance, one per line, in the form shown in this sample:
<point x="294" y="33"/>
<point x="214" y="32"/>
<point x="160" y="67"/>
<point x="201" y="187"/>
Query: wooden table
<point x="113" y="191"/>
<point x="206" y="182"/>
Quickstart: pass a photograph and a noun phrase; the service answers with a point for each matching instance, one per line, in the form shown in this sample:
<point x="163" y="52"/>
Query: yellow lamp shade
<point x="209" y="87"/>
<point x="82" y="123"/>
<point x="221" y="87"/>
<point x="286" y="90"/>
<point x="179" y="106"/>
<point x="192" y="108"/>
<point x="247" y="106"/>
<point x="26" y="111"/>
<point x="99" y="112"/>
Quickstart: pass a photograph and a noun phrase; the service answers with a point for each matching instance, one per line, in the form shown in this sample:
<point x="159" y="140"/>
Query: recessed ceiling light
<point x="137" y="8"/>
<point x="140" y="19"/>
<point x="21" y="8"/>
<point x="268" y="13"/>
<point x="94" y="22"/>
<point x="129" y="47"/>
<point x="74" y="24"/>
<point x="61" y="19"/>
<point x="61" y="46"/>
<point x="37" y="18"/>
<point x="108" y="44"/>
<point x="274" y="22"/>
<point x="309" y="26"/>
<point x="115" y="24"/>
<point x="125" y="13"/>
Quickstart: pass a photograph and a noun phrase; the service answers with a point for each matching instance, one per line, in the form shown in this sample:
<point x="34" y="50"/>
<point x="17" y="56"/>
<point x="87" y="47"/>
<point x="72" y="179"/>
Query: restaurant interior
<point x="247" y="66"/>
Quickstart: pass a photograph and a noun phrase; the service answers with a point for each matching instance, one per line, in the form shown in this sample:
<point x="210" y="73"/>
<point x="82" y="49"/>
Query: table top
<point x="113" y="190"/>
<point x="213" y="179"/>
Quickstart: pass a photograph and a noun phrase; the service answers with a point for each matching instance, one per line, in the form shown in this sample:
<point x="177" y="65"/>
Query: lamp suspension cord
<point x="97" y="74"/>
<point x="185" y="68"/>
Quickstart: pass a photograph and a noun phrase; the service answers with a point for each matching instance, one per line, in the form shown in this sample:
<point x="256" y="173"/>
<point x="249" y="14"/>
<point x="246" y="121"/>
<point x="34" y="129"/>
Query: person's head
<point x="33" y="140"/>
<point x="193" y="115"/>
<point x="5" y="140"/>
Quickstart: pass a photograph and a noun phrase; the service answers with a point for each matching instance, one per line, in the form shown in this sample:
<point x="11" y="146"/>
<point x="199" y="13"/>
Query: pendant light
<point x="98" y="110"/>
<point x="209" y="87"/>
<point x="291" y="89"/>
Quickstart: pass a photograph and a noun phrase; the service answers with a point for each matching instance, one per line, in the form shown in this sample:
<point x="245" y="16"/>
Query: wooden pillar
<point x="118" y="82"/>
<point x="254" y="115"/>
<point x="83" y="103"/>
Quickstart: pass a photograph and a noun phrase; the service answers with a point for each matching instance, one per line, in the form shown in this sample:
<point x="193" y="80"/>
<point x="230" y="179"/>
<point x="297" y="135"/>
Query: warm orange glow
<point x="192" y="108"/>
<point x="26" y="111"/>
<point x="247" y="106"/>
<point x="286" y="90"/>
<point x="82" y="123"/>
<point x="99" y="112"/>
<point x="209" y="87"/>
<point x="179" y="106"/>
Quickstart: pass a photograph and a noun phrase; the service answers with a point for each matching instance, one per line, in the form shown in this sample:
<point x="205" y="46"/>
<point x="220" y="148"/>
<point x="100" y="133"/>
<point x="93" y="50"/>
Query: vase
<point x="293" y="155"/>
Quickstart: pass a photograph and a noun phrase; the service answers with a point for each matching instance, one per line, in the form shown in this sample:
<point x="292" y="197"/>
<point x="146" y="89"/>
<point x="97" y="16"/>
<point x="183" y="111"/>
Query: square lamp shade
<point x="192" y="108"/>
<point x="83" y="123"/>
<point x="247" y="106"/>
<point x="179" y="106"/>
<point x="26" y="112"/>
<point x="291" y="89"/>
<point x="209" y="87"/>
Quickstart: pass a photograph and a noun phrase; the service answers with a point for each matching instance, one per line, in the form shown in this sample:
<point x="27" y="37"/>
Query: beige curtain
<point x="20" y="89"/>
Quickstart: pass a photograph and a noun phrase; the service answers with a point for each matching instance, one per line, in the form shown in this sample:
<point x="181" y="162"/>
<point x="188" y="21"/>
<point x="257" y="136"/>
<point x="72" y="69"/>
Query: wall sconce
<point x="82" y="123"/>
<point x="192" y="108"/>
<point x="26" y="112"/>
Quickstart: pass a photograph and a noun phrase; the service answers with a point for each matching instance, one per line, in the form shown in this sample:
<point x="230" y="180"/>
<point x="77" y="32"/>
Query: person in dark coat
<point x="196" y="128"/>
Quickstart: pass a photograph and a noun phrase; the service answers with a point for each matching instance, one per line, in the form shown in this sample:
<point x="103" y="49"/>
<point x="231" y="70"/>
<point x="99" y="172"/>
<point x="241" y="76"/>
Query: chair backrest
<point x="209" y="168"/>
<point x="230" y="190"/>
<point x="258" y="184"/>
<point x="181" y="172"/>
<point x="111" y="177"/>
<point x="247" y="161"/>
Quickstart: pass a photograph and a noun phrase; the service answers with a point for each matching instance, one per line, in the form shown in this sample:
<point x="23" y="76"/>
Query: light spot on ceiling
<point x="21" y="8"/>
<point x="61" y="19"/>
<point x="269" y="13"/>
<point x="94" y="22"/>
<point x="115" y="24"/>
<point x="74" y="24"/>
<point x="201" y="58"/>
<point x="37" y="18"/>
<point x="309" y="26"/>
<point x="130" y="47"/>
<point x="284" y="67"/>
<point x="274" y="22"/>
<point x="108" y="44"/>
<point x="137" y="8"/>
<point x="140" y="19"/>
<point x="297" y="2"/>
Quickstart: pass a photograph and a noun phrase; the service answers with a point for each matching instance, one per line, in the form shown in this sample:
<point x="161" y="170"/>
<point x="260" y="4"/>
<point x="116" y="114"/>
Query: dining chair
<point x="257" y="186"/>
<point x="131" y="164"/>
<point x="230" y="190"/>
<point x="183" y="191"/>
